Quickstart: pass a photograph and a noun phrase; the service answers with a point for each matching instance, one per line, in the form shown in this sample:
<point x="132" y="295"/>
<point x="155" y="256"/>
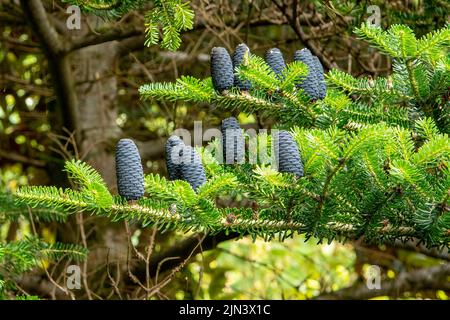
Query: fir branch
<point x="58" y="197"/>
<point x="174" y="205"/>
<point x="259" y="73"/>
<point x="378" y="38"/>
<point x="430" y="45"/>
<point x="90" y="182"/>
<point x="11" y="210"/>
<point x="21" y="256"/>
<point x="171" y="17"/>
<point x="107" y="8"/>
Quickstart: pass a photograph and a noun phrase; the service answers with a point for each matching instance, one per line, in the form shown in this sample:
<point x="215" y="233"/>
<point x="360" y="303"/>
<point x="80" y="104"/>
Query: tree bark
<point x="95" y="86"/>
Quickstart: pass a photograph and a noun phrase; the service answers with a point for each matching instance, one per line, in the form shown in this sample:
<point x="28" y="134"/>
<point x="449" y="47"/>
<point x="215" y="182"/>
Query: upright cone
<point x="238" y="57"/>
<point x="191" y="168"/>
<point x="320" y="78"/>
<point x="221" y="69"/>
<point x="129" y="171"/>
<point x="233" y="144"/>
<point x="174" y="146"/>
<point x="274" y="58"/>
<point x="314" y="83"/>
<point x="287" y="154"/>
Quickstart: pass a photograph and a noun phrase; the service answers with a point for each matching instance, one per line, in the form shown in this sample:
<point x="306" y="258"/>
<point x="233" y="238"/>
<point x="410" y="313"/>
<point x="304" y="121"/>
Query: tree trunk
<point x="95" y="85"/>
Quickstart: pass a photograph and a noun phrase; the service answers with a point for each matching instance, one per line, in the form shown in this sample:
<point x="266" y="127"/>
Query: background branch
<point x="417" y="280"/>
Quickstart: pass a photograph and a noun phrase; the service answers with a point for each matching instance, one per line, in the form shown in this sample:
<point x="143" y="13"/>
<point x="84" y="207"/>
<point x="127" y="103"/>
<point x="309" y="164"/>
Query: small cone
<point x="274" y="58"/>
<point x="238" y="56"/>
<point x="129" y="171"/>
<point x="287" y="154"/>
<point x="320" y="78"/>
<point x="173" y="148"/>
<point x="191" y="168"/>
<point x="310" y="84"/>
<point x="221" y="69"/>
<point x="233" y="144"/>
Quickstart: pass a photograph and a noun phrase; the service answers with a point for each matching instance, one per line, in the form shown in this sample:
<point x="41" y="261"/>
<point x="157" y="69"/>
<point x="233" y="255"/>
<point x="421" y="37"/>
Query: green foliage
<point x="169" y="17"/>
<point x="258" y="72"/>
<point x="417" y="87"/>
<point x="290" y="270"/>
<point x="10" y="210"/>
<point x="187" y="89"/>
<point x="21" y="256"/>
<point x="90" y="182"/>
<point x="107" y="8"/>
<point x="174" y="16"/>
<point x="420" y="79"/>
<point x="269" y="95"/>
<point x="376" y="155"/>
<point x="29" y="252"/>
<point x="374" y="181"/>
<point x="399" y="42"/>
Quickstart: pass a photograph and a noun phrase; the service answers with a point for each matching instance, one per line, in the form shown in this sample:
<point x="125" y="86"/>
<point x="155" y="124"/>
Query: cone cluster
<point x="183" y="163"/>
<point x="223" y="68"/>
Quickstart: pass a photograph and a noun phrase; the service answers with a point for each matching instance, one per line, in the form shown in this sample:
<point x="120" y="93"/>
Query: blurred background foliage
<point x="78" y="104"/>
<point x="289" y="270"/>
